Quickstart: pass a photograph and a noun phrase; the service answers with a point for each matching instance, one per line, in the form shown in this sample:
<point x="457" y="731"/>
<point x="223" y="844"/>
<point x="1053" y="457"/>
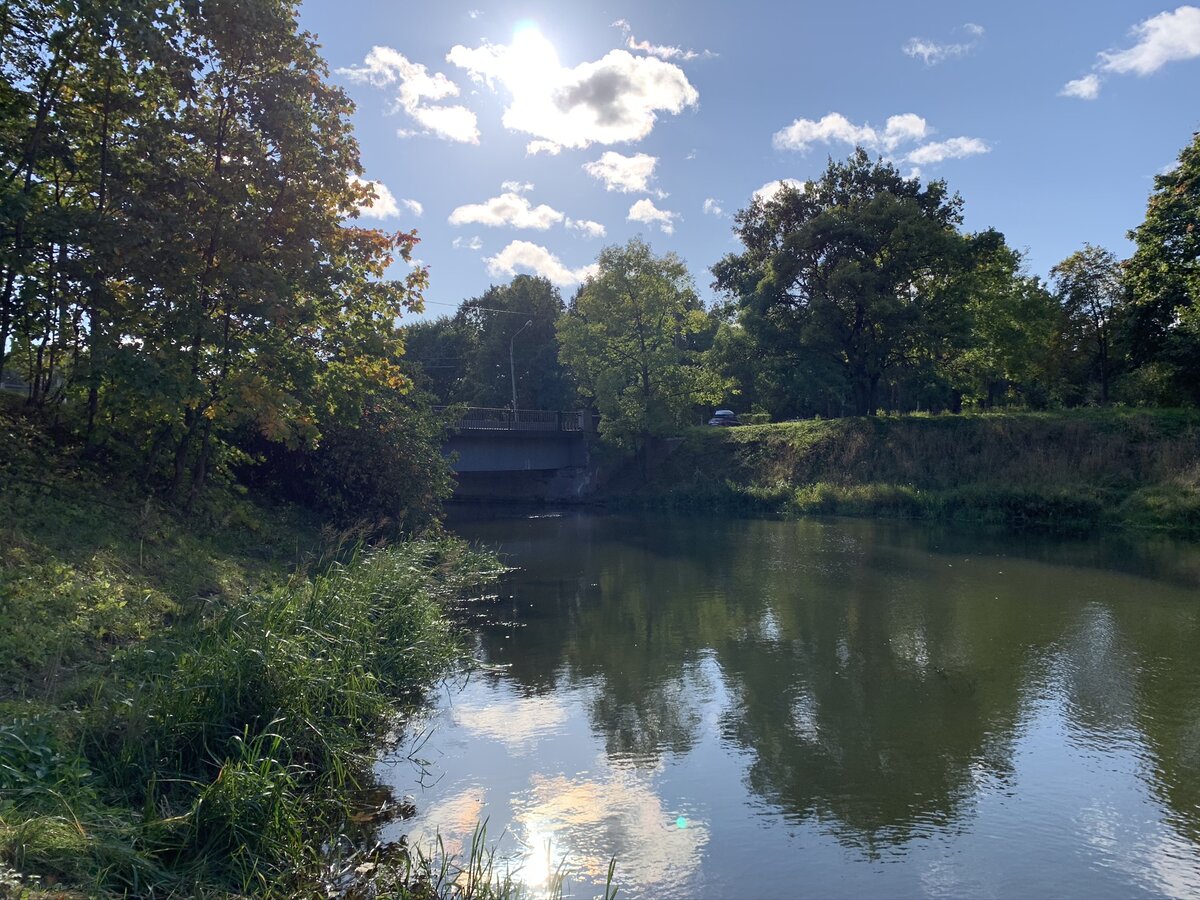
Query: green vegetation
<point x="1132" y="468"/>
<point x="193" y="703"/>
<point x="630" y="336"/>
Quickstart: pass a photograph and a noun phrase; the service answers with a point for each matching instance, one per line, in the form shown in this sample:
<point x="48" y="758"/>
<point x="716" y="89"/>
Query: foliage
<point x="175" y="267"/>
<point x="852" y="277"/>
<point x="1122" y="468"/>
<point x="631" y="336"/>
<point x="223" y="754"/>
<point x="1089" y="287"/>
<point x="1163" y="278"/>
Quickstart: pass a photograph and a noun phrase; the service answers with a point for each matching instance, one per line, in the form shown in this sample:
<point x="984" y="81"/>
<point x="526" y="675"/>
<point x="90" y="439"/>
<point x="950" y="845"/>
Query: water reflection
<point x="883" y="708"/>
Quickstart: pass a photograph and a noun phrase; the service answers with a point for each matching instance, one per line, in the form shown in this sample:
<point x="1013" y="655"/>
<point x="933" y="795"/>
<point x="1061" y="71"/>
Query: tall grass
<point x="222" y="756"/>
<point x="1090" y="468"/>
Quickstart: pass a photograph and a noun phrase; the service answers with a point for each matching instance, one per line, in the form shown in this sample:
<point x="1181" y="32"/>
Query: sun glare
<point x="532" y="57"/>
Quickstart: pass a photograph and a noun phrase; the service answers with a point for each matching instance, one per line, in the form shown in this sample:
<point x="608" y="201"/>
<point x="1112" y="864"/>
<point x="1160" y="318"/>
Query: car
<point x="724" y="417"/>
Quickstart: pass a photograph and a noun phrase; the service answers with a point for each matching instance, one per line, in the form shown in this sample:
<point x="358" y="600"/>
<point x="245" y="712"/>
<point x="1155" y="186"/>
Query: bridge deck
<point x="480" y="418"/>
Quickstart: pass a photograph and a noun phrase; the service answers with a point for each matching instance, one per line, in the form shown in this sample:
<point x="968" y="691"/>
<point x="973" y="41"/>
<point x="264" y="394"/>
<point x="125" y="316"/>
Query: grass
<point x="192" y="705"/>
<point x="1078" y="469"/>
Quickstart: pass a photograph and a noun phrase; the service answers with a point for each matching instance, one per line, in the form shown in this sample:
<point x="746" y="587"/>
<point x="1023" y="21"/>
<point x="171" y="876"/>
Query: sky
<point x="526" y="136"/>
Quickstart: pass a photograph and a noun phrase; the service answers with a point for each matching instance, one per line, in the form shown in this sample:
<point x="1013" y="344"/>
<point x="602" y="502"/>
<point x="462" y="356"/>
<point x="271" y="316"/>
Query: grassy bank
<point x="1109" y="468"/>
<point x="192" y="705"/>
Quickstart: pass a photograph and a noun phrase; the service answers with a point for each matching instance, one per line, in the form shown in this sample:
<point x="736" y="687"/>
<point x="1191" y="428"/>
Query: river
<point x="823" y="708"/>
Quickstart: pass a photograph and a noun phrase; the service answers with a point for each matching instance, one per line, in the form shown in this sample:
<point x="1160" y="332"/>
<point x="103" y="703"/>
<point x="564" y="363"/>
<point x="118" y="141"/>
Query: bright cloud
<point x="1167" y="37"/>
<point x="517" y="187"/>
<point x="1085" y="88"/>
<point x="627" y="174"/>
<point x="530" y="257"/>
<point x="802" y="133"/>
<point x="417" y="93"/>
<point x="771" y="189"/>
<point x="659" y="50"/>
<point x="646" y="212"/>
<point x="933" y="52"/>
<point x="954" y="148"/>
<point x="472" y="243"/>
<point x="712" y="206"/>
<point x="615" y="99"/>
<point x="587" y="227"/>
<point x="904" y="129"/>
<point x="385" y="205"/>
<point x="511" y="209"/>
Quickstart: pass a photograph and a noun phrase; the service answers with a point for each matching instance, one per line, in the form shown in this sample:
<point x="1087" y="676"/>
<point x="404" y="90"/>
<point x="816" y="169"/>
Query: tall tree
<point x="1088" y="284"/>
<point x="513" y="327"/>
<point x="1163" y="276"/>
<point x="859" y="272"/>
<point x="630" y="336"/>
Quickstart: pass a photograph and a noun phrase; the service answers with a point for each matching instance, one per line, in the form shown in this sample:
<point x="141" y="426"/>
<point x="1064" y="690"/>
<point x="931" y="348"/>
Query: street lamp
<point x="512" y="370"/>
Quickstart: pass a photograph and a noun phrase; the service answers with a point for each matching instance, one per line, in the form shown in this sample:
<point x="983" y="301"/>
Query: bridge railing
<point x="480" y="418"/>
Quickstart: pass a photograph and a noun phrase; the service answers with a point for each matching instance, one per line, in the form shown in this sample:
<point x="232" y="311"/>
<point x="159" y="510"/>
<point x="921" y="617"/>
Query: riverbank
<point x="193" y="704"/>
<point x="1077" y="469"/>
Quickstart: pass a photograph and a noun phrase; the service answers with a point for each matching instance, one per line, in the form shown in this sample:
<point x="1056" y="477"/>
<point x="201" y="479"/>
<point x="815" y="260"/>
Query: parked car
<point x="724" y="417"/>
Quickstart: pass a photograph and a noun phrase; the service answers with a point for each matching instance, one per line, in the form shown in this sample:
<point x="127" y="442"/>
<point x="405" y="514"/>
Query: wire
<point x="508" y="312"/>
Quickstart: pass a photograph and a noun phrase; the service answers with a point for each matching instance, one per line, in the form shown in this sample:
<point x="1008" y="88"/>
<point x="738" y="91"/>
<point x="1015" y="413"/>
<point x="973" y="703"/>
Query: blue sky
<point x="525" y="136"/>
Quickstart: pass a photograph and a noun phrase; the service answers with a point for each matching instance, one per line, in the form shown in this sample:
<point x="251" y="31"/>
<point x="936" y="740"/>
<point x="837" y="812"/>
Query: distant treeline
<point x="855" y="293"/>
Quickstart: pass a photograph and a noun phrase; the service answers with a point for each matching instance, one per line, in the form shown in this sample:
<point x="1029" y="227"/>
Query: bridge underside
<point x="519" y="465"/>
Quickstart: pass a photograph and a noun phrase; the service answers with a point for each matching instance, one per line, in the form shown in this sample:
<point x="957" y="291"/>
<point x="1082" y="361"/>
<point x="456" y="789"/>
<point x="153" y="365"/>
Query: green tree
<point x="497" y="319"/>
<point x="1014" y="323"/>
<point x="1088" y="284"/>
<point x="859" y="273"/>
<point x="1162" y="326"/>
<point x="631" y="338"/>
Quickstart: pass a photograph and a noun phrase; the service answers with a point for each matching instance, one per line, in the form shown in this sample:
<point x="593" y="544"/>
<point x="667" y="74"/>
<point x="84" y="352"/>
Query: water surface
<point x="825" y="708"/>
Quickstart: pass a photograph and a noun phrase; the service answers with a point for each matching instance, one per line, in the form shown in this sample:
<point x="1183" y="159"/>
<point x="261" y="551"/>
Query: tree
<point x="1088" y="285"/>
<point x="630" y="337"/>
<point x="494" y="319"/>
<point x="1014" y="323"/>
<point x="1163" y="276"/>
<point x="858" y="273"/>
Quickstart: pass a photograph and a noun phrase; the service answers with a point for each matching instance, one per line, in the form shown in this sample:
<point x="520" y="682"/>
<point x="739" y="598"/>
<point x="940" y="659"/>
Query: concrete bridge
<point x="533" y="454"/>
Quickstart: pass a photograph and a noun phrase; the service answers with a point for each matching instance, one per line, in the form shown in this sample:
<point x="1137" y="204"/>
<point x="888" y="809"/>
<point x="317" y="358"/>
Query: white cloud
<point x="933" y="52"/>
<point x="509" y="208"/>
<point x="523" y="255"/>
<point x="383" y="206"/>
<point x="415" y="89"/>
<point x="627" y="174"/>
<point x="771" y="189"/>
<point x="646" y="212"/>
<point x="1167" y="37"/>
<point x="533" y="148"/>
<point x="712" y="207"/>
<point x="474" y="242"/>
<point x="474" y="13"/>
<point x="1085" y="88"/>
<point x="954" y="148"/>
<point x="802" y="133"/>
<point x="615" y="99"/>
<point x="659" y="50"/>
<point x="902" y="129"/>
<point x="517" y="187"/>
<point x="587" y="227"/>
<point x="831" y="127"/>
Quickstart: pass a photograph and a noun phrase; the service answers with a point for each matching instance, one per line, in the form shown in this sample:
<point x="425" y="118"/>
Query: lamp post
<point x="512" y="370"/>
